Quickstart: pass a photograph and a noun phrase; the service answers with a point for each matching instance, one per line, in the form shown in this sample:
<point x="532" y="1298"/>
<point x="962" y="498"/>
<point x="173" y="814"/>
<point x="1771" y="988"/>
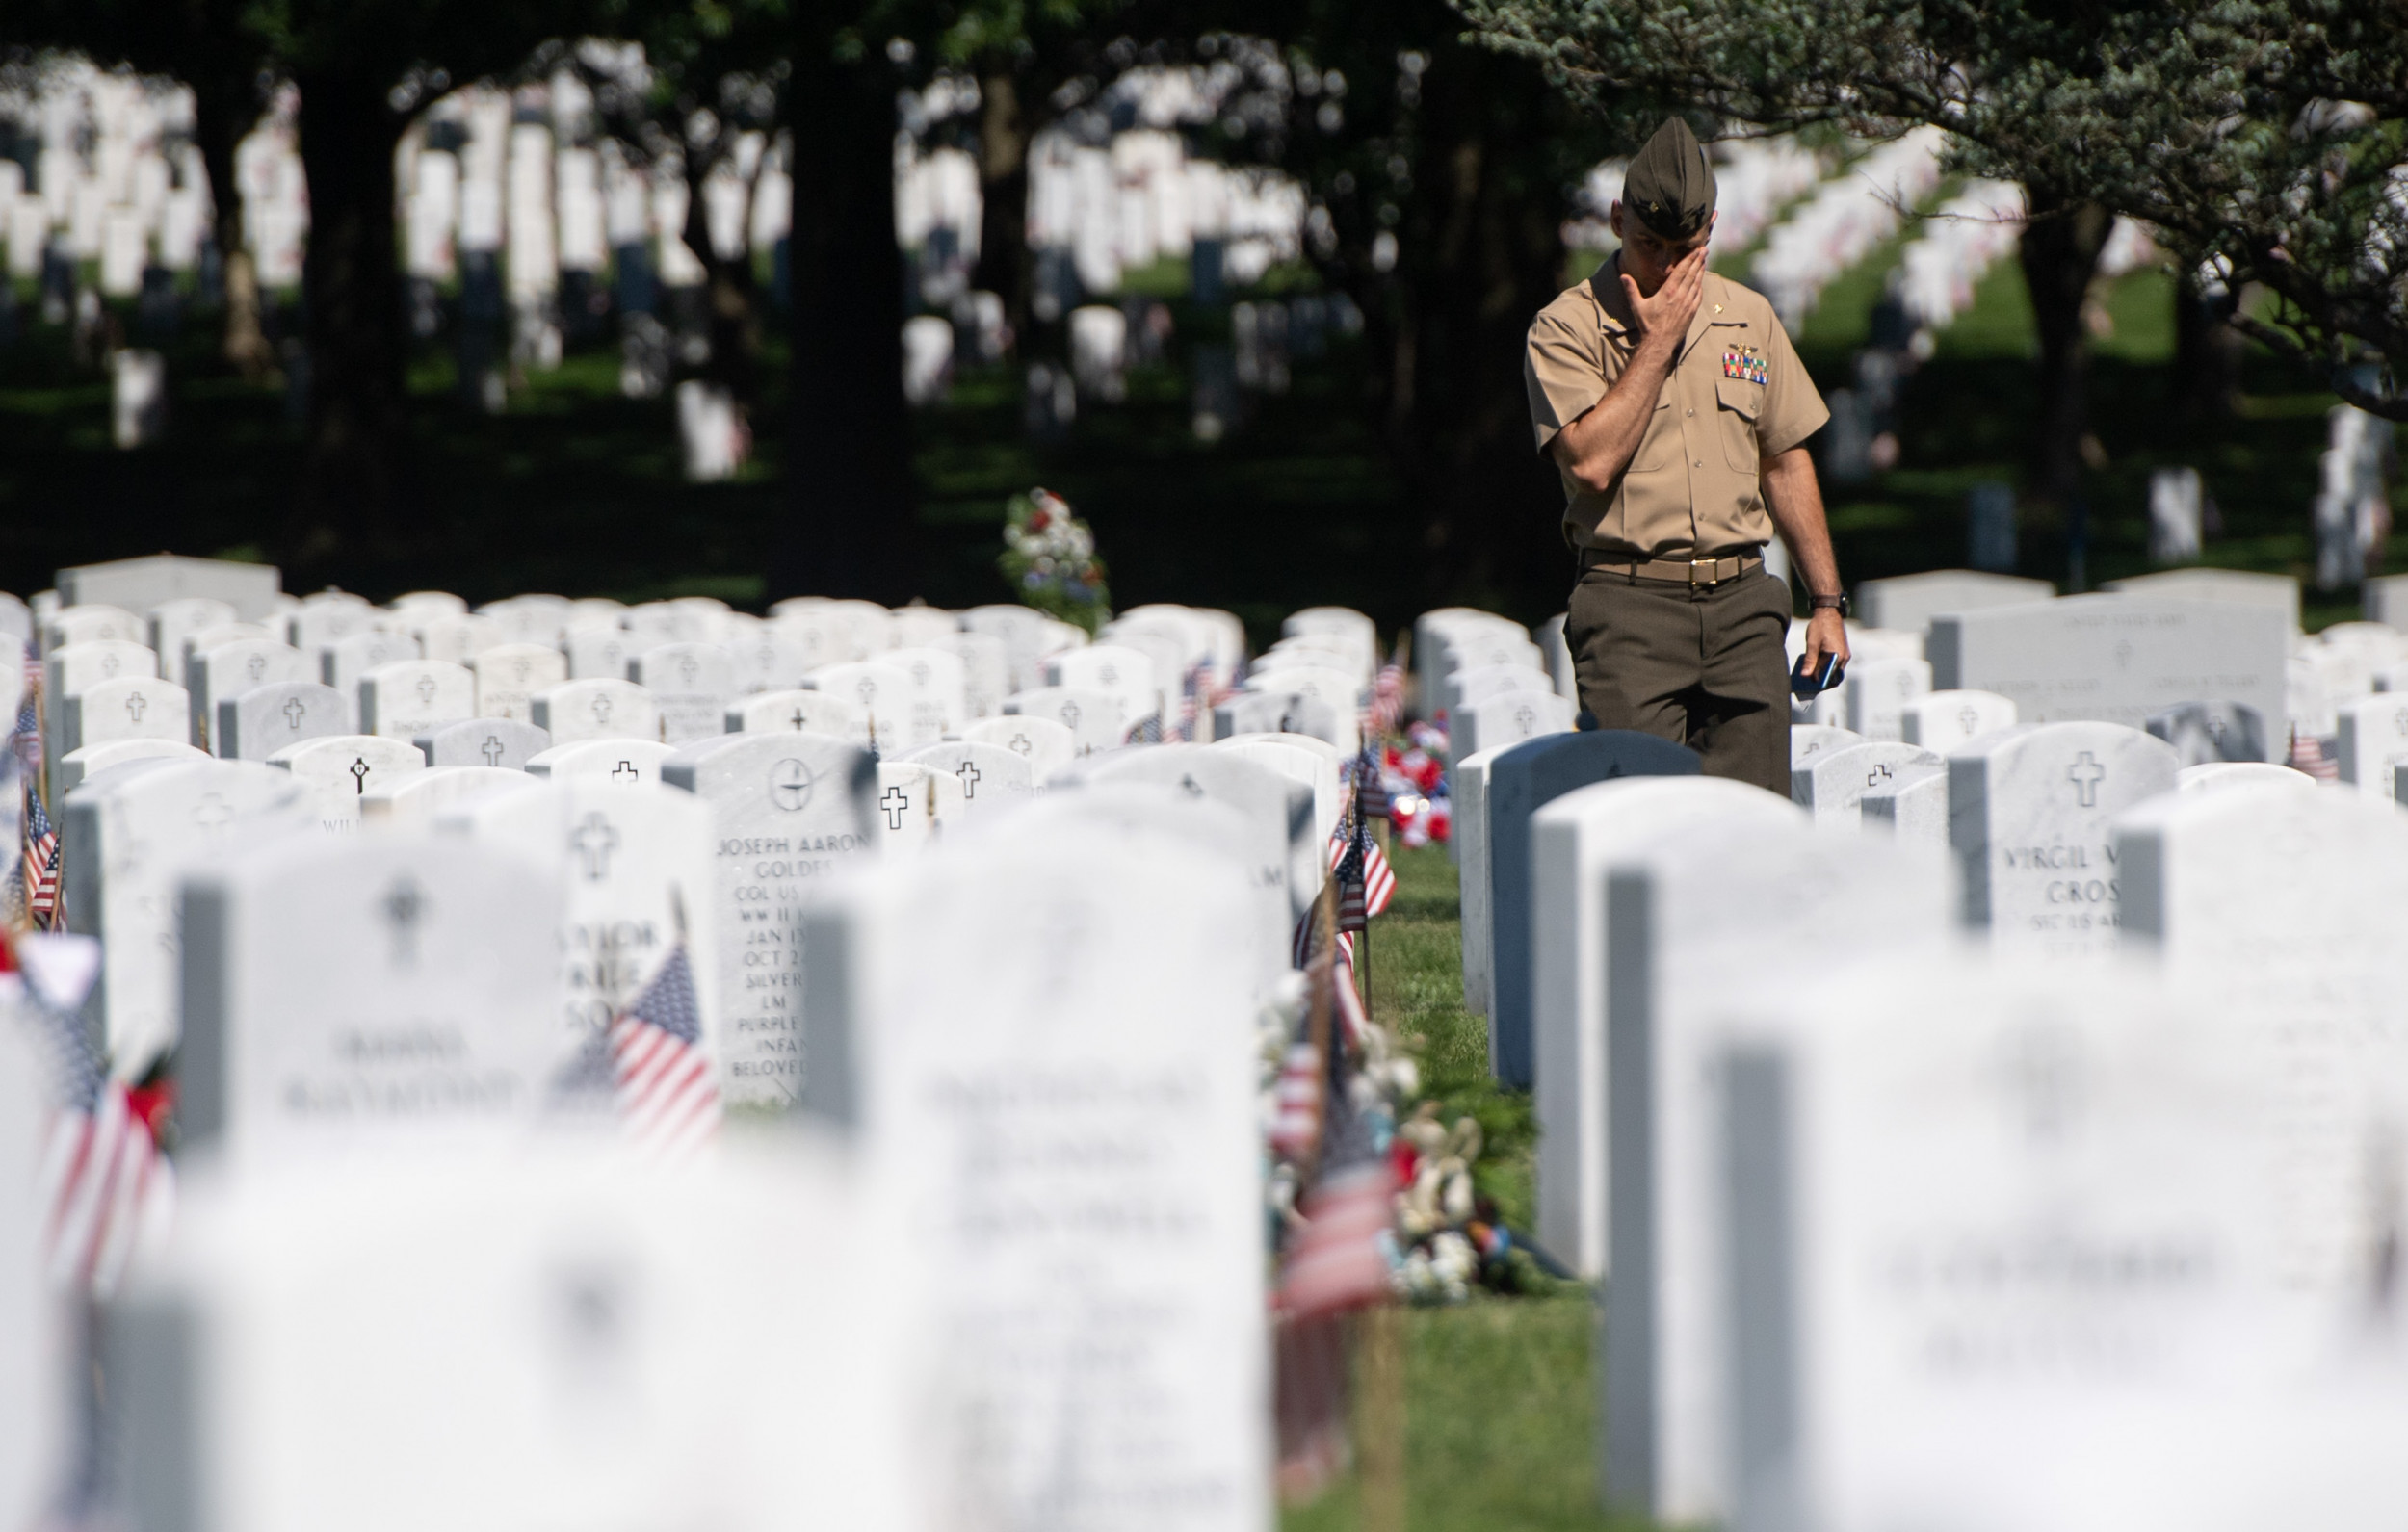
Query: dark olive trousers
<point x="1700" y="665"/>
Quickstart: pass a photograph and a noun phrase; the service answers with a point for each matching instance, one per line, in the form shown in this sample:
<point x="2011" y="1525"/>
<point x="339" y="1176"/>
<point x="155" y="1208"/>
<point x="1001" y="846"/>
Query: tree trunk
<point x="1004" y="182"/>
<point x="220" y="119"/>
<point x="728" y="288"/>
<point x="2060" y="254"/>
<point x="358" y="418"/>
<point x="2207" y="356"/>
<point x="850" y="531"/>
<point x="1478" y="257"/>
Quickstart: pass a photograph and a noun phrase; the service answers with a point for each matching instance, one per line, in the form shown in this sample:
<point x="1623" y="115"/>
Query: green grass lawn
<point x="1500" y="1412"/>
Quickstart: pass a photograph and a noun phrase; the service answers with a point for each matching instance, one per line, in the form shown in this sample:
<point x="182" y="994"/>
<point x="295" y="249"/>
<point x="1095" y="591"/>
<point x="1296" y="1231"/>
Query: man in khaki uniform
<point x="1677" y="412"/>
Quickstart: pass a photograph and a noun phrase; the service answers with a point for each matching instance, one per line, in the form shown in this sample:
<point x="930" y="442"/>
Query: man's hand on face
<point x="1665" y="318"/>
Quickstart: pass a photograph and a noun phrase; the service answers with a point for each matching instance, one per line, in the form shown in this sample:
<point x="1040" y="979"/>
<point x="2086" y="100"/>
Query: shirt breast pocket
<point x="1663" y="440"/>
<point x="1742" y="403"/>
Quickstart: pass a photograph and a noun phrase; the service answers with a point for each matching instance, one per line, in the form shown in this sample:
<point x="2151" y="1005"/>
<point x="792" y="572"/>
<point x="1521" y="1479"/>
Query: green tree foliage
<point x="2266" y="137"/>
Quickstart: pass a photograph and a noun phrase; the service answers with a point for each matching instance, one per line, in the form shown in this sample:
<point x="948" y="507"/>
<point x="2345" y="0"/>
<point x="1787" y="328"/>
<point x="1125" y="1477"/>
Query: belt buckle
<point x="1713" y="568"/>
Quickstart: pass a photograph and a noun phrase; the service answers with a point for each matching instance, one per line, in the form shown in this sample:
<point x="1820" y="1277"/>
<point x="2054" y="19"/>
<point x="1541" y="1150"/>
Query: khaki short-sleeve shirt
<point x="1737" y="394"/>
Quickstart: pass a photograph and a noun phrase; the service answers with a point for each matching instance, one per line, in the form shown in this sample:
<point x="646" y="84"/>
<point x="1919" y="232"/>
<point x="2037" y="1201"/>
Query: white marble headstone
<point x="598" y="707"/>
<point x="621" y="763"/>
<point x="508" y="675"/>
<point x="1833" y="785"/>
<point x="1093" y="718"/>
<point x="1046" y="745"/>
<point x="1941" y="720"/>
<point x="692" y="683"/>
<point x="339" y="768"/>
<point x="127" y="708"/>
<point x="412" y="697"/>
<point x="992" y="778"/>
<point x="798" y="712"/>
<point x="484" y="743"/>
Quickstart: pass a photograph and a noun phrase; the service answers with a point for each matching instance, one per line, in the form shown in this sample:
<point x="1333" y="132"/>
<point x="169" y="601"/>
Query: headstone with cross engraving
<point x="914" y="804"/>
<point x="819" y="637"/>
<point x="649" y="623"/>
<point x="1044" y="745"/>
<point x="1125" y="675"/>
<point x="1676" y="901"/>
<point x="1022" y="632"/>
<point x="2029" y="816"/>
<point x="534" y="619"/>
<point x="1968" y="1257"/>
<point x="74" y="670"/>
<point x="1809" y="740"/>
<point x="257" y="723"/>
<point x="1341" y="692"/>
<point x="989" y="778"/>
<point x="1466" y="687"/>
<point x="768" y="660"/>
<point x="372" y="994"/>
<point x="1093" y="718"/>
<point x="621" y="763"/>
<point x="127" y="834"/>
<point x="2116" y="659"/>
<point x="201" y="640"/>
<point x="788" y="812"/>
<point x="2373" y="733"/>
<point x="339" y="768"/>
<point x="1879" y="690"/>
<point x="127" y="708"/>
<point x="92" y="760"/>
<point x="637" y="866"/>
<point x="1573" y="839"/>
<point x="230" y="669"/>
<point x="800" y="713"/>
<point x="1274" y="711"/>
<point x="140" y="584"/>
<point x="37" y="1401"/>
<point x="343" y="662"/>
<point x="2227" y="587"/>
<point x="1940" y="720"/>
<point x="1168" y="652"/>
<point x="508" y="675"/>
<point x="324" y="620"/>
<point x="1012" y="1078"/>
<point x="1508" y="719"/>
<point x="412" y="697"/>
<point x="600" y="708"/>
<point x="457" y="640"/>
<point x="916" y="626"/>
<point x="413" y="802"/>
<point x="939" y="703"/>
<point x="985" y="672"/>
<point x="484" y="743"/>
<point x="881" y="690"/>
<point x="1832" y="786"/>
<point x="96" y="623"/>
<point x="2200" y="731"/>
<point x="598" y="651"/>
<point x="172" y="622"/>
<point x="693" y="685"/>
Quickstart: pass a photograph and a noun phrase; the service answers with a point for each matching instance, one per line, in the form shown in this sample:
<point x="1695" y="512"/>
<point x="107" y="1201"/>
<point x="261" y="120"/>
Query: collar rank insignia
<point x="1744" y="362"/>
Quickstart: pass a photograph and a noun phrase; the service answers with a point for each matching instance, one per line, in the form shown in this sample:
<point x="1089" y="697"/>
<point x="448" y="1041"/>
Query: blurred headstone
<point x="1990" y="528"/>
<point x="2175" y="498"/>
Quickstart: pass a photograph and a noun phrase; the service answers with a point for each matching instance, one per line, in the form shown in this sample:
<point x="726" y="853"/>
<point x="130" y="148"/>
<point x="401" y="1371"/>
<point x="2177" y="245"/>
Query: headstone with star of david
<point x="412" y="697"/>
<point x="597" y="708"/>
<point x="619" y="762"/>
<point x="1879" y="690"/>
<point x="789" y="812"/>
<point x="801" y="712"/>
<point x="636" y="867"/>
<point x="343" y="662"/>
<point x="509" y="675"/>
<point x="231" y="668"/>
<point x="600" y="651"/>
<point x="989" y="779"/>
<point x="996" y="1091"/>
<point x="693" y="685"/>
<point x="127" y="833"/>
<point x="939" y="703"/>
<point x="413" y="802"/>
<point x="1941" y="720"/>
<point x="1676" y="900"/>
<point x="126" y="708"/>
<point x="881" y="690"/>
<point x="172" y="622"/>
<point x="74" y="670"/>
<point x="255" y="724"/>
<point x="1832" y="786"/>
<point x="503" y="742"/>
<point x="339" y="768"/>
<point x="1046" y="745"/>
<point x="2116" y="658"/>
<point x="1125" y="675"/>
<point x="1508" y="719"/>
<point x="1274" y="711"/>
<point x="2373" y="733"/>
<point x="92" y="760"/>
<point x="367" y="995"/>
<point x="2030" y="815"/>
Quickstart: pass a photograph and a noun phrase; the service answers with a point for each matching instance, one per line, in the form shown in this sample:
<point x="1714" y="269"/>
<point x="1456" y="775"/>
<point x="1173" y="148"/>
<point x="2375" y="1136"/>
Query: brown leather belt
<point x="1680" y="571"/>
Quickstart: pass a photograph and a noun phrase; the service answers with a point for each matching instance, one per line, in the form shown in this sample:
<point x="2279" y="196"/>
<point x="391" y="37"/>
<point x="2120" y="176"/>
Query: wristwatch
<point x="1838" y="604"/>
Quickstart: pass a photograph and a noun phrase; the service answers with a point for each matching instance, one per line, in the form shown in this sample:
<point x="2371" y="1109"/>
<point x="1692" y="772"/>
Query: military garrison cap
<point x="1671" y="186"/>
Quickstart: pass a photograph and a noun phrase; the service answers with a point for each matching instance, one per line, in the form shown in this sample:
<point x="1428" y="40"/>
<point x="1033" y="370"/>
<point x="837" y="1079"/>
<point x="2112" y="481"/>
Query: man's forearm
<point x="1795" y="500"/>
<point x="1601" y="442"/>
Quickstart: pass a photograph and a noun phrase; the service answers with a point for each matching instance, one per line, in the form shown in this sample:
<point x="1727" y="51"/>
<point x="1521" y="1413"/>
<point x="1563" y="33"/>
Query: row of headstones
<point x="404" y="1271"/>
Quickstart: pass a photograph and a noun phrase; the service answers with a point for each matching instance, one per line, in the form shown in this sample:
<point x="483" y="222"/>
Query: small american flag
<point x="1339" y="1259"/>
<point x="1147" y="730"/>
<point x="39" y="863"/>
<point x="1296" y="1102"/>
<point x="1387" y="700"/>
<point x="2307" y="754"/>
<point x="25" y="739"/>
<point x="1372" y="874"/>
<point x="106" y="1189"/>
<point x="666" y="1092"/>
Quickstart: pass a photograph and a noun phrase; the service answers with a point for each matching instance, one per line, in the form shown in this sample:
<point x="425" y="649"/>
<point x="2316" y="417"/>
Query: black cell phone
<point x="1803" y="686"/>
